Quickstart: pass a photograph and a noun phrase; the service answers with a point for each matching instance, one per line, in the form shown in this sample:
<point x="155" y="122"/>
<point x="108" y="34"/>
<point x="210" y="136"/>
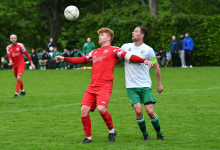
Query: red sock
<point x="22" y="87"/>
<point x="87" y="125"/>
<point x="18" y="86"/>
<point x="108" y="119"/>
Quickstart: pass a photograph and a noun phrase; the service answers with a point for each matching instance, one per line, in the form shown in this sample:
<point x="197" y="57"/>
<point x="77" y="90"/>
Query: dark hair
<point x="74" y="47"/>
<point x="143" y="31"/>
<point x="161" y="49"/>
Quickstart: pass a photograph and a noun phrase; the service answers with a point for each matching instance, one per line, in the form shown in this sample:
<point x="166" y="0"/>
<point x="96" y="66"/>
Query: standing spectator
<point x="56" y="53"/>
<point x="34" y="57"/>
<point x="161" y="57"/>
<point x="76" y="53"/>
<point x="65" y="54"/>
<point x="87" y="48"/>
<point x="50" y="45"/>
<point x="181" y="51"/>
<point x="188" y="48"/>
<point x="4" y="60"/>
<point x="174" y="50"/>
<point x="45" y="57"/>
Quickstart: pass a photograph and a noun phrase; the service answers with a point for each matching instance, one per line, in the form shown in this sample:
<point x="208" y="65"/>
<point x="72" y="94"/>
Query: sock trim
<point x="154" y="119"/>
<point x="140" y="120"/>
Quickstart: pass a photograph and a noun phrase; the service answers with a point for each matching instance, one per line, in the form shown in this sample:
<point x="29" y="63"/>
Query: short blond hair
<point x="108" y="31"/>
<point x="13" y="35"/>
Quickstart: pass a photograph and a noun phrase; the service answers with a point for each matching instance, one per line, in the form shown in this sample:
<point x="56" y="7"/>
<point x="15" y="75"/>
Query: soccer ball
<point x="30" y="68"/>
<point x="51" y="48"/>
<point x="71" y="13"/>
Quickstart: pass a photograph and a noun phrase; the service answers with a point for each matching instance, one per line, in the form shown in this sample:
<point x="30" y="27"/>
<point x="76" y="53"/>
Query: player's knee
<point x="138" y="112"/>
<point x="101" y="109"/>
<point x="18" y="78"/>
<point x="150" y="112"/>
<point x="84" y="111"/>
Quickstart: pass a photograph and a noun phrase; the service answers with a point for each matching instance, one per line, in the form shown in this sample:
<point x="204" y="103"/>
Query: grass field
<point x="48" y="116"/>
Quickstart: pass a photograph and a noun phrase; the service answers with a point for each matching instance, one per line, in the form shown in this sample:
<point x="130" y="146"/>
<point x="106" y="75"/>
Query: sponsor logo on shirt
<point x="129" y="49"/>
<point x="98" y="59"/>
<point x="17" y="49"/>
<point x="105" y="51"/>
<point x="142" y="52"/>
<point x="15" y="54"/>
<point x="103" y="102"/>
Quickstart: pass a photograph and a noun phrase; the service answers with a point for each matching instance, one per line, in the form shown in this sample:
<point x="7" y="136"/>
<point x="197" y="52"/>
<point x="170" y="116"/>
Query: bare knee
<point x="85" y="110"/>
<point x="18" y="78"/>
<point x="101" y="109"/>
<point x="150" y="112"/>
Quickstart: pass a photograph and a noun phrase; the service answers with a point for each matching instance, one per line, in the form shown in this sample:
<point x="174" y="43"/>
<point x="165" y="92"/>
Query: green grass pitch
<point x="48" y="116"/>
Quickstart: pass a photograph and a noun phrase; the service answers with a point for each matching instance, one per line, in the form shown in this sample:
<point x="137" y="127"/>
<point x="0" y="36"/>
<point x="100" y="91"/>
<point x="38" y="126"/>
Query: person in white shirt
<point x="138" y="81"/>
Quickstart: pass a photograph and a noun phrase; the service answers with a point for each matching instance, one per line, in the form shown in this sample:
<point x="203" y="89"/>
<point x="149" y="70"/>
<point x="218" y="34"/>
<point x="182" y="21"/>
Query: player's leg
<point x="19" y="74"/>
<point x="2" y="62"/>
<point x="148" y="101"/>
<point x="102" y="99"/>
<point x="135" y="99"/>
<point x="40" y="63"/>
<point x="45" y="63"/>
<point x="88" y="104"/>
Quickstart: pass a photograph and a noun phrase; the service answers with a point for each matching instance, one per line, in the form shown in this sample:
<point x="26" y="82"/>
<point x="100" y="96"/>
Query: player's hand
<point x="59" y="58"/>
<point x="160" y="88"/>
<point x="33" y="66"/>
<point x="149" y="63"/>
<point x="83" y="54"/>
<point x="10" y="63"/>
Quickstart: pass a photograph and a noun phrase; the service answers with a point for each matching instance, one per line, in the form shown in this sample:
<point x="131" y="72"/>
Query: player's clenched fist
<point x="59" y="58"/>
<point x="149" y="63"/>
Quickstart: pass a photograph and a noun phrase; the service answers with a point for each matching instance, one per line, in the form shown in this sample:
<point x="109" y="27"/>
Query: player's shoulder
<point x="20" y="44"/>
<point x="8" y="46"/>
<point x="146" y="47"/>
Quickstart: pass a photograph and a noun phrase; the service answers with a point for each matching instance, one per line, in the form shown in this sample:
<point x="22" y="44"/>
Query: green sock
<point x="156" y="124"/>
<point x="142" y="125"/>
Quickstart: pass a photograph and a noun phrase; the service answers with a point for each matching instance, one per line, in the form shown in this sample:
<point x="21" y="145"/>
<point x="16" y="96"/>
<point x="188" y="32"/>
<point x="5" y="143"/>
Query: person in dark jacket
<point x="76" y="53"/>
<point x="65" y="54"/>
<point x="34" y="57"/>
<point x="181" y="51"/>
<point x="50" y="45"/>
<point x="188" y="48"/>
<point x="45" y="57"/>
<point x="174" y="50"/>
<point x="161" y="57"/>
<point x="4" y="61"/>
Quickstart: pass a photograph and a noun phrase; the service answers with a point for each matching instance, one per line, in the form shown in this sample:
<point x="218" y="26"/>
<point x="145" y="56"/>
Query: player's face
<point x="88" y="40"/>
<point x="173" y="37"/>
<point x="44" y="51"/>
<point x="65" y="50"/>
<point x="13" y="39"/>
<point x="187" y="35"/>
<point x="51" y="40"/>
<point x="103" y="38"/>
<point x="32" y="50"/>
<point x="55" y="49"/>
<point x="136" y="34"/>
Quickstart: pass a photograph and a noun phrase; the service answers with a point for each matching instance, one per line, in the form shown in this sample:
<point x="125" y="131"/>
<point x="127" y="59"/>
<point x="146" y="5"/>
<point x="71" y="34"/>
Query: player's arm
<point x="27" y="55"/>
<point x="9" y="57"/>
<point x="158" y="75"/>
<point x="136" y="59"/>
<point x="73" y="60"/>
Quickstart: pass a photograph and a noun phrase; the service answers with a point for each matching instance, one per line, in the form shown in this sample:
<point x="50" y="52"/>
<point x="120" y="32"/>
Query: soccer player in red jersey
<point x="15" y="53"/>
<point x="99" y="91"/>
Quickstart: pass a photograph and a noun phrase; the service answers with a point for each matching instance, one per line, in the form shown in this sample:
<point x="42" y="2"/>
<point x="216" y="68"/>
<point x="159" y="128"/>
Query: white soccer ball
<point x="51" y="48"/>
<point x="71" y="13"/>
<point x="30" y="68"/>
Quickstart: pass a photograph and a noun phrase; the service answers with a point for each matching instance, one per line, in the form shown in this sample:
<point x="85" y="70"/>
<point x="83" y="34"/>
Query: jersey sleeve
<point x="89" y="56"/>
<point x="152" y="56"/>
<point x="120" y="53"/>
<point x="9" y="54"/>
<point x="23" y="48"/>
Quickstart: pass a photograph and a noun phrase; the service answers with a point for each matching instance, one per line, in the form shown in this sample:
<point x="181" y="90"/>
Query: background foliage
<point x="34" y="26"/>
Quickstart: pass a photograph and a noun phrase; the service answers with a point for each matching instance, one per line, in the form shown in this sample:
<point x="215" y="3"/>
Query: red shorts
<point x="95" y="96"/>
<point x="19" y="71"/>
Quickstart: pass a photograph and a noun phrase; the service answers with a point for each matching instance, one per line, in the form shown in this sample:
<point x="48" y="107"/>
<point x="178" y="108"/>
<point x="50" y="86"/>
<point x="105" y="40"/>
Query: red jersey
<point x="104" y="60"/>
<point x="15" y="53"/>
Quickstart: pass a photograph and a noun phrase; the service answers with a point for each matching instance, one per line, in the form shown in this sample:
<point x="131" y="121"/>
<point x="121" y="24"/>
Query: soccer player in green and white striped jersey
<point x="138" y="81"/>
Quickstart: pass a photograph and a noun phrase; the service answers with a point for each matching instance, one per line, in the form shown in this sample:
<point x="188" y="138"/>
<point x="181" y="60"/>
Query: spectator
<point x="50" y="45"/>
<point x="56" y="53"/>
<point x="76" y="53"/>
<point x="4" y="60"/>
<point x="161" y="57"/>
<point x="174" y="50"/>
<point x="34" y="57"/>
<point x="188" y="48"/>
<point x="181" y="51"/>
<point x="45" y="57"/>
<point x="65" y="54"/>
<point x="87" y="48"/>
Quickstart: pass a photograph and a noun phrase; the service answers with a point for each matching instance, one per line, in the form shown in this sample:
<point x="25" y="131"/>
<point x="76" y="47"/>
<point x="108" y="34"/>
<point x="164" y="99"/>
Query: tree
<point x="153" y="4"/>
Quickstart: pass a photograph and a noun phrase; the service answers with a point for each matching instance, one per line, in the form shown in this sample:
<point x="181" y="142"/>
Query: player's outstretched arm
<point x="59" y="59"/>
<point x="158" y="75"/>
<point x="136" y="59"/>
